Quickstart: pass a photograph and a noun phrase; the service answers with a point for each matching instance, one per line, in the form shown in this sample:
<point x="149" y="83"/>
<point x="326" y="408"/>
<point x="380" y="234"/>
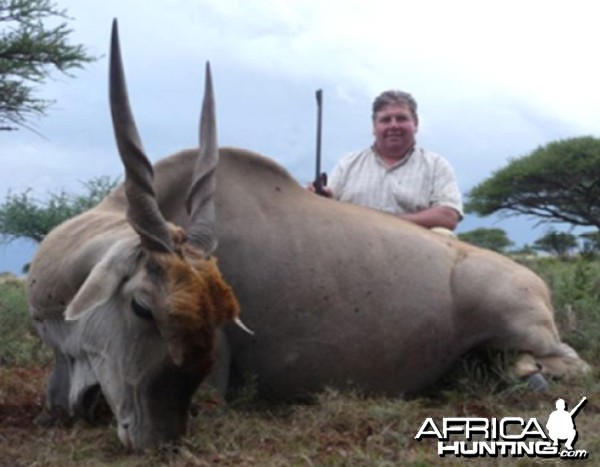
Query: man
<point x="396" y="176"/>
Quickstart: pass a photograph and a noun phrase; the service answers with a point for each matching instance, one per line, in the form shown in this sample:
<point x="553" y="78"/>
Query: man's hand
<point x="325" y="190"/>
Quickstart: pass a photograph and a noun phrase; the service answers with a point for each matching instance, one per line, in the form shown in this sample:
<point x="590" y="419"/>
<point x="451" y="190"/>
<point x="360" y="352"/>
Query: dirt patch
<point x="21" y="396"/>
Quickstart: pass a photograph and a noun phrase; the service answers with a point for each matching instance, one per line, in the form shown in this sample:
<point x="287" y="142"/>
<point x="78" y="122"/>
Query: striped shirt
<point x="421" y="180"/>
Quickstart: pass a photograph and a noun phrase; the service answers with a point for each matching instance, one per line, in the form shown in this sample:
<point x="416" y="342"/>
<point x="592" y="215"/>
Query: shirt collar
<point x="400" y="163"/>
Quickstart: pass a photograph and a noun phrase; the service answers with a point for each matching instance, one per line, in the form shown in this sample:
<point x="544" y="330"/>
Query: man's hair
<point x="392" y="97"/>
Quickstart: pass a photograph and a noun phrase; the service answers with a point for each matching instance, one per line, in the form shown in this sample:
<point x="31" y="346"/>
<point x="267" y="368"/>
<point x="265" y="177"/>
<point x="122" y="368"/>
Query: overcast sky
<point x="494" y="80"/>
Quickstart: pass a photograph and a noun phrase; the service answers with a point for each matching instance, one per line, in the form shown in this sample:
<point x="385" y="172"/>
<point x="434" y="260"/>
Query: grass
<point x="338" y="429"/>
<point x="576" y="295"/>
<point x="19" y="344"/>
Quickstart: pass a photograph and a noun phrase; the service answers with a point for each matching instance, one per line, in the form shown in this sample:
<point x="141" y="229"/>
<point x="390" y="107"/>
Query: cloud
<point x="494" y="80"/>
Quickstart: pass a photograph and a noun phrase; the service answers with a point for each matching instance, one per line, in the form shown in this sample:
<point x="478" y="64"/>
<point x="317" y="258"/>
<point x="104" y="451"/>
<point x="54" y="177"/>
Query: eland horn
<point x="143" y="212"/>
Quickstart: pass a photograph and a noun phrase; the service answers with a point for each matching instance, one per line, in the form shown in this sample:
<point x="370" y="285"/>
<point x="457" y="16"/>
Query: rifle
<point x="320" y="177"/>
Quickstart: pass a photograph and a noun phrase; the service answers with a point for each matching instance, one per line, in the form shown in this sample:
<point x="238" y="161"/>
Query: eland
<point x="131" y="300"/>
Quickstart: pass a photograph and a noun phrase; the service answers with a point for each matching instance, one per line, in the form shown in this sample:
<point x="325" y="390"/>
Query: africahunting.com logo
<point x="508" y="436"/>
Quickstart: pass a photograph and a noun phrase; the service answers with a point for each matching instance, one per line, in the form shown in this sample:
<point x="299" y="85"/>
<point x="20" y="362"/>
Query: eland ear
<point x="103" y="280"/>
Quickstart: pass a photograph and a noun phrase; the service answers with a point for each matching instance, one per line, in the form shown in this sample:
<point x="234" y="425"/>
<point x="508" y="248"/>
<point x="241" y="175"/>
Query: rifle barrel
<point x="319" y="96"/>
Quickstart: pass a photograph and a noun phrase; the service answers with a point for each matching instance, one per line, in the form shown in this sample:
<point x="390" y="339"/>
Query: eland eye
<point x="140" y="310"/>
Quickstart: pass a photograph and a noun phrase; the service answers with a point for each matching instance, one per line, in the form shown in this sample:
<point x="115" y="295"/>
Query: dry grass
<point x="336" y="430"/>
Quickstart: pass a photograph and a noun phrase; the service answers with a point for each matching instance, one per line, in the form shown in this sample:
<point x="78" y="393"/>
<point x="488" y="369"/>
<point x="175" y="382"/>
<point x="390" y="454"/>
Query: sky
<point x="494" y="80"/>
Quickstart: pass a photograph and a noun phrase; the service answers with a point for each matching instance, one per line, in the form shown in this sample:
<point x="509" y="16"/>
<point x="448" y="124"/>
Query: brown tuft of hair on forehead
<point x="199" y="301"/>
<point x="198" y="292"/>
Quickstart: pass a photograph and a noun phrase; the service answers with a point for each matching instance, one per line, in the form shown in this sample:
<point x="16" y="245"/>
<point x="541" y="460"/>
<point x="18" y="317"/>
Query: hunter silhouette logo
<point x="560" y="424"/>
<point x="508" y="436"/>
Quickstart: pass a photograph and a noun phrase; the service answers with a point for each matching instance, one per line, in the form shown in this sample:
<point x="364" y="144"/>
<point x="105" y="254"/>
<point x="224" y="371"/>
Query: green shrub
<point x="19" y="344"/>
<point x="575" y="286"/>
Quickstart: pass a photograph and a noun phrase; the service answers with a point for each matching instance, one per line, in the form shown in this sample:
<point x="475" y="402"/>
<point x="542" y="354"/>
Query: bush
<point x="575" y="286"/>
<point x="19" y="344"/>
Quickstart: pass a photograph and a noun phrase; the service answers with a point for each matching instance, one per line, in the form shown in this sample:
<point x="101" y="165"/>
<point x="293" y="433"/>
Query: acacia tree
<point x="23" y="216"/>
<point x="29" y="51"/>
<point x="558" y="243"/>
<point x="559" y="182"/>
<point x="590" y="244"/>
<point x="492" y="239"/>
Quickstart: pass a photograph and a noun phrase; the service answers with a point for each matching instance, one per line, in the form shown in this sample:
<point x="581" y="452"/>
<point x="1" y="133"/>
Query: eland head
<point x="147" y="299"/>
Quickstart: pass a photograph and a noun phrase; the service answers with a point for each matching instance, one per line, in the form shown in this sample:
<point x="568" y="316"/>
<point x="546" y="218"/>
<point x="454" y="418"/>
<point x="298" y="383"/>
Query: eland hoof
<point x="537" y="382"/>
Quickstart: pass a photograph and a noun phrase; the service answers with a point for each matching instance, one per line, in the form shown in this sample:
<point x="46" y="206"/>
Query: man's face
<point x="394" y="128"/>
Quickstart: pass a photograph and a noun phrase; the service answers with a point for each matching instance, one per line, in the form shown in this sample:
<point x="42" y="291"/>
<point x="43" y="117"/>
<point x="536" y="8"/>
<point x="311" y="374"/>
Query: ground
<point x="337" y="429"/>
